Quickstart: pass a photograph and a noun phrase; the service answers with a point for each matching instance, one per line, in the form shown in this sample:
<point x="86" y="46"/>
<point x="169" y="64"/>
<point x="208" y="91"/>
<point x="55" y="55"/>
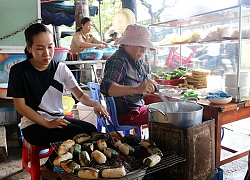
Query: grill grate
<point x="135" y="170"/>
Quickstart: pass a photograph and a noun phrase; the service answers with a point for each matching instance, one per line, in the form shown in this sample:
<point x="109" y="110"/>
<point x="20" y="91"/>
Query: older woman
<point x="125" y="77"/>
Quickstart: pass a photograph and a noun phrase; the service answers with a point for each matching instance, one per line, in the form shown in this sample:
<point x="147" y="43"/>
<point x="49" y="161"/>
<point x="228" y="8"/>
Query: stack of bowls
<point x="231" y="84"/>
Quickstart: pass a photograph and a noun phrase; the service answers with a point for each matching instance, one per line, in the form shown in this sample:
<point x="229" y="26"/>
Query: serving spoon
<point x="170" y="106"/>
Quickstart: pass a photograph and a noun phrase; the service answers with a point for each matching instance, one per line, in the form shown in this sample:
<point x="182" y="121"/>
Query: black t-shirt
<point x="42" y="90"/>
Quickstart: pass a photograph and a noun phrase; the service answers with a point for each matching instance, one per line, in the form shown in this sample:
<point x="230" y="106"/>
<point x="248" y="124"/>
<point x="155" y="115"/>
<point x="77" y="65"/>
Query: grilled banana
<point x="113" y="172"/>
<point x="110" y="153"/>
<point x="151" y="149"/>
<point x="70" y="166"/>
<point x="79" y="138"/>
<point x="99" y="157"/>
<point x="152" y="160"/>
<point x="145" y="143"/>
<point x="84" y="158"/>
<point x="88" y="173"/>
<point x="126" y="149"/>
<point x="101" y="144"/>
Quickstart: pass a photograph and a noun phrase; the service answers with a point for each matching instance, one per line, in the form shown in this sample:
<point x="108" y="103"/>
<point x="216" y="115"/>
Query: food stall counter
<point x="223" y="114"/>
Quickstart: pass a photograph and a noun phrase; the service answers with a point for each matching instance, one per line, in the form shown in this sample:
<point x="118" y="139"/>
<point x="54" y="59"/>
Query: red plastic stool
<point x="31" y="158"/>
<point x="71" y="115"/>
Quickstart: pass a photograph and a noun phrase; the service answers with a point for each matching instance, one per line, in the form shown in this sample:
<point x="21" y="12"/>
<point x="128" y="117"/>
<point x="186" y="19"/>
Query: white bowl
<point x="220" y="100"/>
<point x="244" y="91"/>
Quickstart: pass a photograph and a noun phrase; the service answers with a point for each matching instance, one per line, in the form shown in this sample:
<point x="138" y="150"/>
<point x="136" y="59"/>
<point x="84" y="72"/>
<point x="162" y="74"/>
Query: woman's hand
<point x="101" y="46"/>
<point x="57" y="123"/>
<point x="100" y="109"/>
<point x="115" y="45"/>
<point x="147" y="86"/>
<point x="105" y="45"/>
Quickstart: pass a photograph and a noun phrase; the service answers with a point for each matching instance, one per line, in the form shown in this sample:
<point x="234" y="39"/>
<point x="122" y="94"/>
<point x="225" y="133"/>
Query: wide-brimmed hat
<point x="136" y="35"/>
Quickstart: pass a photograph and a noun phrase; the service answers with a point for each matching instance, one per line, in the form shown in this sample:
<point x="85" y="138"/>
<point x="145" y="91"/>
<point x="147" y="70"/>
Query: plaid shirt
<point x="120" y="68"/>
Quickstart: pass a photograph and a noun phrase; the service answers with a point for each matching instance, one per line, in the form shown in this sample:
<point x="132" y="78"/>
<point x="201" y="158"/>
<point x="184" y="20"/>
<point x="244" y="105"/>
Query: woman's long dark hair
<point x="30" y="32"/>
<point x="83" y="21"/>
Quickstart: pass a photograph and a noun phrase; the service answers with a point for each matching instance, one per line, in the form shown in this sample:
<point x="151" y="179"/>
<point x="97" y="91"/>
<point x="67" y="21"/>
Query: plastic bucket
<point x="68" y="103"/>
<point x="86" y="113"/>
<point x="60" y="54"/>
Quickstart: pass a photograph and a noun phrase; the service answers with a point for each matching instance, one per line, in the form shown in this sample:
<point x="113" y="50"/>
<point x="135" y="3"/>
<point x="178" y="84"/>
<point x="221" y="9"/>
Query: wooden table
<point x="223" y="114"/>
<point x="91" y="62"/>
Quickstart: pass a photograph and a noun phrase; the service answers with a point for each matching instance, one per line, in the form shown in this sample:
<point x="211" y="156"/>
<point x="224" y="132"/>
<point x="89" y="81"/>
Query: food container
<point x="107" y="55"/>
<point x="188" y="114"/>
<point x="173" y="82"/>
<point x="91" y="54"/>
<point x="107" y="52"/>
<point x="60" y="54"/>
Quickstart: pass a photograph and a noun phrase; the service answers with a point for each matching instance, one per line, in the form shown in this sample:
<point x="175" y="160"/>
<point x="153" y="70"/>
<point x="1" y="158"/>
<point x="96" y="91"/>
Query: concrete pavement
<point x="236" y="134"/>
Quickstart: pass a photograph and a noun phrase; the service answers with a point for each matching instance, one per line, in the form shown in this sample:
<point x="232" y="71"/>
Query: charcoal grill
<point x="136" y="171"/>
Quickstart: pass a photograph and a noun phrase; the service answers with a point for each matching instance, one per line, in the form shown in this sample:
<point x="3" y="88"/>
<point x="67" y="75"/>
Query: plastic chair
<point x="176" y="58"/>
<point x="31" y="158"/>
<point x="95" y="94"/>
<point x="113" y="115"/>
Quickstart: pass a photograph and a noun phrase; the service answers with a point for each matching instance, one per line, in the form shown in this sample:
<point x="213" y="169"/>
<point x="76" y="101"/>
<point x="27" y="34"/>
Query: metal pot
<point x="187" y="114"/>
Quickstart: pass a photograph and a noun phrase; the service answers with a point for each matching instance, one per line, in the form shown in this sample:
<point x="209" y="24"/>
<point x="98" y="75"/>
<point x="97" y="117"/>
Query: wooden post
<point x="81" y="11"/>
